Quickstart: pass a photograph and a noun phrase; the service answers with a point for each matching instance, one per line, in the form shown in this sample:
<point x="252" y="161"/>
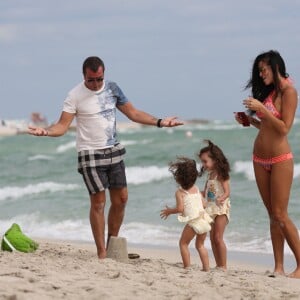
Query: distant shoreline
<point x="11" y="127"/>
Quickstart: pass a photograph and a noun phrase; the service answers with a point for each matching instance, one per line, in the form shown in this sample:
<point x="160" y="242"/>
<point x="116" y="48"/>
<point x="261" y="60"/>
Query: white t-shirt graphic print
<point x="95" y="114"/>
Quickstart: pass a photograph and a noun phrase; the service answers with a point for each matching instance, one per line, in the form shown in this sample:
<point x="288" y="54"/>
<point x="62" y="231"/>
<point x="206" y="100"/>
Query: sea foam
<point x="34" y="226"/>
<point x="13" y="192"/>
<point x="246" y="168"/>
<point x="136" y="233"/>
<point x="139" y="175"/>
<point x="66" y="147"/>
<point x="40" y="157"/>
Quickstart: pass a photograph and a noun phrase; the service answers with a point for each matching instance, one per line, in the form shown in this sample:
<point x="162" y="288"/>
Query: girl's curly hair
<point x="216" y="154"/>
<point x="184" y="171"/>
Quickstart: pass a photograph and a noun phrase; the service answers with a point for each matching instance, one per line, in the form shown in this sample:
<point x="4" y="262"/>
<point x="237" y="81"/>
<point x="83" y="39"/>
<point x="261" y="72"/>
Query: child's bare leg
<point x="217" y="238"/>
<point x="203" y="253"/>
<point x="187" y="235"/>
<point x="212" y="242"/>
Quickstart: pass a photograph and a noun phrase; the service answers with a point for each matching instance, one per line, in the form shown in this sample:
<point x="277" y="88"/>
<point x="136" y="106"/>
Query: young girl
<point x="189" y="204"/>
<point x="216" y="192"/>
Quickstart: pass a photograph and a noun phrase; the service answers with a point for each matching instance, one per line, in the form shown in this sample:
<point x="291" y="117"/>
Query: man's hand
<point x="38" y="131"/>
<point x="170" y="122"/>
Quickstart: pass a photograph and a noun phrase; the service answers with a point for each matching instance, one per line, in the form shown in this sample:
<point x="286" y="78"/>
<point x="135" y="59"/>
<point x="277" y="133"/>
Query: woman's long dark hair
<point x="260" y="91"/>
<point x="221" y="162"/>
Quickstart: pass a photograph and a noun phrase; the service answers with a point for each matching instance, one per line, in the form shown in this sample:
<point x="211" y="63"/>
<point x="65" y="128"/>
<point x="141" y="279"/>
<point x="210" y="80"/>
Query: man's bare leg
<point x="118" y="198"/>
<point x="97" y="220"/>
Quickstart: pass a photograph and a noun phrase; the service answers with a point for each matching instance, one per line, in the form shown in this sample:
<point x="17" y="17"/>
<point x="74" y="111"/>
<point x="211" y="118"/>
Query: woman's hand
<point x="253" y="104"/>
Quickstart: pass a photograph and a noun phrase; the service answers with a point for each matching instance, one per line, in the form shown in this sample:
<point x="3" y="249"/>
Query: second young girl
<point x="216" y="192"/>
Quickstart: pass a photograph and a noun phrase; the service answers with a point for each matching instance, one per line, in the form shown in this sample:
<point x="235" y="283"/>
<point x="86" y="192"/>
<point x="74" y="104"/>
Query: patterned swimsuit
<point x="213" y="191"/>
<point x="267" y="163"/>
<point x="194" y="214"/>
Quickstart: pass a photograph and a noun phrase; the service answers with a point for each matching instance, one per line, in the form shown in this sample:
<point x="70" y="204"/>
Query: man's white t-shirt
<point x="95" y="113"/>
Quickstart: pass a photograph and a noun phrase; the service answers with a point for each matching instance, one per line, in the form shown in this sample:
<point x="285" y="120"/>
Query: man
<point x="100" y="157"/>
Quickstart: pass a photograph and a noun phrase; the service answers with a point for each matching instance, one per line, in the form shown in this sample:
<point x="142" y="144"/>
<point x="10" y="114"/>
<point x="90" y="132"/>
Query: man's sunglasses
<point x="99" y="79"/>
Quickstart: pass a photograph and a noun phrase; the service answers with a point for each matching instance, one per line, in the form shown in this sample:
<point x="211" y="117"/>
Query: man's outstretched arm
<point x="142" y="117"/>
<point x="57" y="129"/>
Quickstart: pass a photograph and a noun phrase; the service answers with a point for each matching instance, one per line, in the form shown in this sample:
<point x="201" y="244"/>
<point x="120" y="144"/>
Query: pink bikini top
<point x="268" y="103"/>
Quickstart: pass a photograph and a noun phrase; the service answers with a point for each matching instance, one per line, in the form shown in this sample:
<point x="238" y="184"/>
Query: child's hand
<point x="164" y="213"/>
<point x="220" y="201"/>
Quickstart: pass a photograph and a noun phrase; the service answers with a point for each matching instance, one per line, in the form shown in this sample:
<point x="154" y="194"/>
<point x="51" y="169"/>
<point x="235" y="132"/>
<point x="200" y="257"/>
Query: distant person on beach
<point x="216" y="193"/>
<point x="93" y="103"/>
<point x="190" y="207"/>
<point x="274" y="100"/>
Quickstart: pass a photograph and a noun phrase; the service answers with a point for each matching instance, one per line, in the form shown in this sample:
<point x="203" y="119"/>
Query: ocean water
<point x="41" y="190"/>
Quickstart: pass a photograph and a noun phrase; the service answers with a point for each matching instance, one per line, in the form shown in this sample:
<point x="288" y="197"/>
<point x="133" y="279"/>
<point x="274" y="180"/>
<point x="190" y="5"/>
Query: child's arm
<point x="176" y="210"/>
<point x="203" y="192"/>
<point x="204" y="202"/>
<point x="226" y="194"/>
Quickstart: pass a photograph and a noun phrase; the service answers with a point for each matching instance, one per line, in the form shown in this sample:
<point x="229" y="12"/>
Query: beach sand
<point x="69" y="270"/>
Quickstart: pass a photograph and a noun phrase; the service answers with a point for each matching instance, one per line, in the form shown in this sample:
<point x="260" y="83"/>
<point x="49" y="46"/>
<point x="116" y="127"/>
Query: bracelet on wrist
<point x="158" y="124"/>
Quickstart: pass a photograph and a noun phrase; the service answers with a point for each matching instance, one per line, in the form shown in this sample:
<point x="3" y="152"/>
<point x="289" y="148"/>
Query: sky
<point x="189" y="58"/>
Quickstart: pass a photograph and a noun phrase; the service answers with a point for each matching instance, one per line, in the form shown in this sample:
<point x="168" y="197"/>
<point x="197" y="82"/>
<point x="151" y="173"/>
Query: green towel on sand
<point x="15" y="239"/>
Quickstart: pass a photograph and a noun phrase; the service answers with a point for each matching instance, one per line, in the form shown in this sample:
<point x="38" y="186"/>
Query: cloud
<point x="8" y="33"/>
<point x="156" y="50"/>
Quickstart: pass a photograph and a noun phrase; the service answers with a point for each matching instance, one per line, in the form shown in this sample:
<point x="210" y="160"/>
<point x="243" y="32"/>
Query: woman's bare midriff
<point x="270" y="144"/>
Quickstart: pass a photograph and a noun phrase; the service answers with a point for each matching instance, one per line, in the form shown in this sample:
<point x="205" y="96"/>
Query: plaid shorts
<point x="103" y="168"/>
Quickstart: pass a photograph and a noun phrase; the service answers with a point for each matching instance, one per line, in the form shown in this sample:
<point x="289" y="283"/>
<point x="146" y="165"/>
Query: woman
<point x="274" y="101"/>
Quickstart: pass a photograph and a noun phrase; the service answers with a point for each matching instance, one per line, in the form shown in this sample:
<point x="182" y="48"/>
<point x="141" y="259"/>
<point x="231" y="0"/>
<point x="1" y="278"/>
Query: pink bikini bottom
<point x="267" y="163"/>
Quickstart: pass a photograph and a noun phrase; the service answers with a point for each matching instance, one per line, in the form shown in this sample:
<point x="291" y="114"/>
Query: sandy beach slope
<point x="64" y="270"/>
